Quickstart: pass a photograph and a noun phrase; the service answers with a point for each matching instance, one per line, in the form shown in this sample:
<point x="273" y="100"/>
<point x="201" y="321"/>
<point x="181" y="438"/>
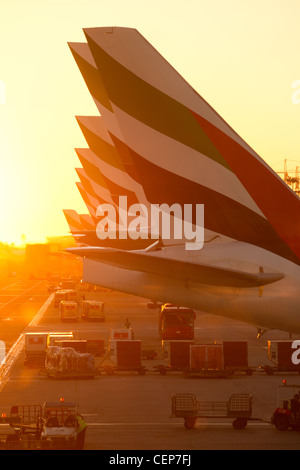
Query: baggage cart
<point x="238" y="408"/>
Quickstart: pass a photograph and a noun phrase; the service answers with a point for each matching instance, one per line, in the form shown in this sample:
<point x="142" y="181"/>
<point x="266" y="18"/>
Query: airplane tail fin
<point x="73" y="220"/>
<point x="184" y="152"/>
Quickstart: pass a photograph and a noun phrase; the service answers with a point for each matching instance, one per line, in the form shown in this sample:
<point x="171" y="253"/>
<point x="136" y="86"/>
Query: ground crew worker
<point x="81" y="429"/>
<point x="295" y="404"/>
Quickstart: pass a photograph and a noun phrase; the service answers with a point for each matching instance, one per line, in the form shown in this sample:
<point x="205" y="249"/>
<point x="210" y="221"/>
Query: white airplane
<point x="248" y="268"/>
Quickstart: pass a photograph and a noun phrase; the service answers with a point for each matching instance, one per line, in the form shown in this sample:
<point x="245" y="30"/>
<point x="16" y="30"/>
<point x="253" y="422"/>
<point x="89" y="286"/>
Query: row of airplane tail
<point x="180" y="208"/>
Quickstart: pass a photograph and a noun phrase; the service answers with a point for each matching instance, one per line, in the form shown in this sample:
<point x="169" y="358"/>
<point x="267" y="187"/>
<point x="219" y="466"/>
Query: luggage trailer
<point x="238" y="408"/>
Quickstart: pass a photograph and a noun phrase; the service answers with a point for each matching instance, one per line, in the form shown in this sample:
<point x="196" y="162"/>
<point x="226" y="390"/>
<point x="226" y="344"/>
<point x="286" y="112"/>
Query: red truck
<point x="176" y="322"/>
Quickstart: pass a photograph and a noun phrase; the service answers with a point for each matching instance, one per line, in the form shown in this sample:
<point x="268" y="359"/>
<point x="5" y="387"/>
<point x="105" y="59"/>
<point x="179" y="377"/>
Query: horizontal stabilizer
<point x="180" y="270"/>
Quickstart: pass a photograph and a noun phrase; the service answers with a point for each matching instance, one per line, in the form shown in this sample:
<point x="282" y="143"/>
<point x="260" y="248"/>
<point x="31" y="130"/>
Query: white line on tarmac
<point x="20" y="295"/>
<point x="199" y="425"/>
<point x="10" y="285"/>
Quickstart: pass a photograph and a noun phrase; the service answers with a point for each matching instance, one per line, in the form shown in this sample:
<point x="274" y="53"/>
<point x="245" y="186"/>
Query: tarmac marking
<point x="10" y="285"/>
<point x="199" y="425"/>
<point x="20" y="295"/>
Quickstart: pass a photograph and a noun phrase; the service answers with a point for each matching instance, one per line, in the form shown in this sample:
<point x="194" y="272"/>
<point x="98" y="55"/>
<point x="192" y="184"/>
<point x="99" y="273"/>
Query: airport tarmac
<point x="128" y="411"/>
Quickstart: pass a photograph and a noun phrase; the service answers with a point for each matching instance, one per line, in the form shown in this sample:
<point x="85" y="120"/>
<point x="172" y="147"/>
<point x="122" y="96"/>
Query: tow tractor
<point x="285" y="416"/>
<point x="54" y="425"/>
<point x="59" y="425"/>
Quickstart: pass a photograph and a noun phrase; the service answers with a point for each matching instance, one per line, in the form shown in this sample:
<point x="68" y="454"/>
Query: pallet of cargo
<point x="238" y="408"/>
<point x="67" y="363"/>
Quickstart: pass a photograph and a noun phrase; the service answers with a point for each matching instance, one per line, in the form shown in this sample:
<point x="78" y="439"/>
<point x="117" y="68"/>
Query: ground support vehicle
<point x="55" y="425"/>
<point x="285" y="415"/>
<point x="238" y="407"/>
<point x="280" y="354"/>
<point x="176" y="322"/>
<point x="60" y="425"/>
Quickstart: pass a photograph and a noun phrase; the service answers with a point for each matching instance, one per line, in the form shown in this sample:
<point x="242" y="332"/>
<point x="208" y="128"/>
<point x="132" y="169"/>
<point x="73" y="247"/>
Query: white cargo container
<point x="121" y="334"/>
<point x="58" y="336"/>
<point x="69" y="311"/>
<point x="35" y="347"/>
<point x="93" y="310"/>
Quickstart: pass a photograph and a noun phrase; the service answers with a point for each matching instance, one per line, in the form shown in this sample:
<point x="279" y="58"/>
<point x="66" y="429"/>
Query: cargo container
<point x="235" y="354"/>
<point x="96" y="347"/>
<point x="80" y="345"/>
<point x="126" y="355"/>
<point x="68" y="284"/>
<point x="92" y="310"/>
<point x="35" y="348"/>
<point x="206" y="360"/>
<point x="177" y="355"/>
<point x="73" y="295"/>
<point x="59" y="296"/>
<point x="280" y="354"/>
<point x="69" y="311"/>
<point x="58" y="336"/>
<point x="66" y="294"/>
<point x="68" y="363"/>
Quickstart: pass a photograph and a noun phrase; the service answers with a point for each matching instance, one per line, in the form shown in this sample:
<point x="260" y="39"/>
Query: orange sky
<point x="241" y="56"/>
